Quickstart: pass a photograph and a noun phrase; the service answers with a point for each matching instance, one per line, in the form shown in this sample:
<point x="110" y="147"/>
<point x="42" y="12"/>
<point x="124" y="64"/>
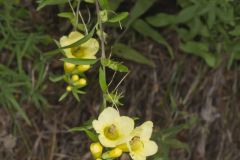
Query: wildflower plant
<point x="112" y="134"/>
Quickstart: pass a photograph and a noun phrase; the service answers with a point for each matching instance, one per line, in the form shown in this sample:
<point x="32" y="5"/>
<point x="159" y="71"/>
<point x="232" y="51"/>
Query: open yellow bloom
<point x="140" y="146"/>
<point x="112" y="128"/>
<point x="86" y="50"/>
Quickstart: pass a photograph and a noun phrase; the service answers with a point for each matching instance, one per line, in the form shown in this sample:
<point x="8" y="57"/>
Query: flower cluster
<point x="118" y="135"/>
<point x="86" y="50"/>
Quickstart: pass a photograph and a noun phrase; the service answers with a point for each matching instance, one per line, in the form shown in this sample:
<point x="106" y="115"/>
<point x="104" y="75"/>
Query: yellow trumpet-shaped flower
<point x="86" y="50"/>
<point x="140" y="146"/>
<point x="112" y="128"/>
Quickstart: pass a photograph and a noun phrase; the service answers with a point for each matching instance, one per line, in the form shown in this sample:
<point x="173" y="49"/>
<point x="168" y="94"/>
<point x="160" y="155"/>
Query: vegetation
<point x="170" y="66"/>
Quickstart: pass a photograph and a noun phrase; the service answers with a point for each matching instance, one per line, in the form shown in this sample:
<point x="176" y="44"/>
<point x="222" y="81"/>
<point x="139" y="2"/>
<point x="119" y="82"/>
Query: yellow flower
<point x="83" y="68"/>
<point x="114" y="153"/>
<point x="140" y="146"/>
<point x="112" y="128"/>
<point x="75" y="77"/>
<point x="86" y="50"/>
<point x="69" y="88"/>
<point x="96" y="149"/>
<point x="68" y="67"/>
<point x="81" y="82"/>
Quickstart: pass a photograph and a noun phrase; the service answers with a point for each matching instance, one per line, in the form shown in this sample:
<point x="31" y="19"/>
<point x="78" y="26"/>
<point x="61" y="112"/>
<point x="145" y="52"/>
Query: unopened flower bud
<point x="81" y="82"/>
<point x="68" y="67"/>
<point x="83" y="68"/>
<point x="114" y="153"/>
<point x="96" y="150"/>
<point x="75" y="77"/>
<point x="69" y="88"/>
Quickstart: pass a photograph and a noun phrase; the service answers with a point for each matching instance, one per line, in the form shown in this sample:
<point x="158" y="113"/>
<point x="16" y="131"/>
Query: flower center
<point x="111" y="132"/>
<point x="136" y="144"/>
<point x="77" y="51"/>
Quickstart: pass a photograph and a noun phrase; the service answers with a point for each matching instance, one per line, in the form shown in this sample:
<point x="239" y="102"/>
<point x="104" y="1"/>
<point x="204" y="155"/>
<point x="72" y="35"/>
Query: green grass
<point x="22" y="70"/>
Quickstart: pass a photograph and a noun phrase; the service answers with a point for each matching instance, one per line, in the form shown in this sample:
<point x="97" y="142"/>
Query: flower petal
<point x="106" y="142"/>
<point x="72" y="38"/>
<point x="97" y="125"/>
<point x="91" y="47"/>
<point x="136" y="156"/>
<point x="150" y="148"/>
<point x="144" y="131"/>
<point x="108" y="115"/>
<point x="126" y="125"/>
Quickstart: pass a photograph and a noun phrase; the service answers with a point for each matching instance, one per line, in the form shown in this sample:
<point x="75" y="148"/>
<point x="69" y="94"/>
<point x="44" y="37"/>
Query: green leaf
<point x="235" y="31"/>
<point x="125" y="52"/>
<point x="75" y="94"/>
<point x="144" y="29"/>
<point x="81" y="41"/>
<point x="116" y="66"/>
<point x="89" y="133"/>
<point x="79" y="61"/>
<point x="63" y="96"/>
<point x="118" y="17"/>
<point x="140" y="7"/>
<point x="114" y="4"/>
<point x="68" y="15"/>
<point x="161" y="20"/>
<point x="89" y="1"/>
<point x="104" y="4"/>
<point x="19" y="109"/>
<point x="201" y="50"/>
<point x="175" y="143"/>
<point x="187" y="14"/>
<point x="102" y="80"/>
<point x="211" y="17"/>
<point x="56" y="78"/>
<point x="43" y="3"/>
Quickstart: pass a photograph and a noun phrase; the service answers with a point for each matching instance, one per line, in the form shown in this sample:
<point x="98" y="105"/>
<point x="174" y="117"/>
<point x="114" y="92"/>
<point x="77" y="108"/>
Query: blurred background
<point x="183" y="57"/>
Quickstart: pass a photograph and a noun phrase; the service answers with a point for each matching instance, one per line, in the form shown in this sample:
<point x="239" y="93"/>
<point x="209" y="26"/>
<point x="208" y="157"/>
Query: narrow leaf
<point x="144" y="29"/>
<point x="79" y="61"/>
<point x="128" y="53"/>
<point x="116" y="66"/>
<point x="118" y="17"/>
<point x="102" y="80"/>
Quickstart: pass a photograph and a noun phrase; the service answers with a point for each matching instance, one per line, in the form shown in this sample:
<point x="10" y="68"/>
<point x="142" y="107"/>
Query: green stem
<point x="103" y="55"/>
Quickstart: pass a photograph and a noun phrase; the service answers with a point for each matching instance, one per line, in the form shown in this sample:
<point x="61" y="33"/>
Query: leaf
<point x="43" y="3"/>
<point x="102" y="80"/>
<point x="118" y="17"/>
<point x="19" y="109"/>
<point x="114" y="4"/>
<point x="161" y="20"/>
<point x="125" y="52"/>
<point x="81" y="41"/>
<point x="89" y="133"/>
<point x="175" y="143"/>
<point x="201" y="50"/>
<point x="140" y="7"/>
<point x="144" y="29"/>
<point x="79" y="61"/>
<point x="116" y="66"/>
<point x="68" y="15"/>
<point x="63" y="96"/>
<point x="235" y="31"/>
<point x="75" y="94"/>
<point x="187" y="14"/>
<point x="211" y="17"/>
<point x="56" y="78"/>
<point x="104" y="4"/>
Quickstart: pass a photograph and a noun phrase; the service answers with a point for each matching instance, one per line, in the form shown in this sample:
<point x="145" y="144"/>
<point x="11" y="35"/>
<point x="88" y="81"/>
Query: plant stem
<point x="102" y="39"/>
